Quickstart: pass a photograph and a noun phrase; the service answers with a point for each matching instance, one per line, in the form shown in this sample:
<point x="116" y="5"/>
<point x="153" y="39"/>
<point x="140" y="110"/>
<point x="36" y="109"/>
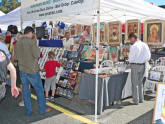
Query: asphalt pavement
<point x="76" y="112"/>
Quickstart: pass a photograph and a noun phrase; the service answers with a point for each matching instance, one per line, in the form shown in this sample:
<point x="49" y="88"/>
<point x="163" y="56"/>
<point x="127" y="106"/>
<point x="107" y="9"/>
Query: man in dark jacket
<point x="27" y="54"/>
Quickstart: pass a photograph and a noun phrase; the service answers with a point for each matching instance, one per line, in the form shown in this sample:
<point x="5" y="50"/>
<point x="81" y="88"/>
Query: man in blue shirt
<point x="3" y="46"/>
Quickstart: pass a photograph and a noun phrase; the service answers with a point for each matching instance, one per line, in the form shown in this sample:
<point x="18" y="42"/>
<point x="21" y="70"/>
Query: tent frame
<point x="97" y="58"/>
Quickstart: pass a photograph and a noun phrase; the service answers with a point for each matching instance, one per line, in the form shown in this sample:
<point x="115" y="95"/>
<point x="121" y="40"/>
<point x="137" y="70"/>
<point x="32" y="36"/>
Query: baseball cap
<point x="28" y="29"/>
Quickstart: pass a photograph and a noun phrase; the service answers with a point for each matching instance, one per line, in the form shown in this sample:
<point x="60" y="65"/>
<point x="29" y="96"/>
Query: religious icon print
<point x="114" y="33"/>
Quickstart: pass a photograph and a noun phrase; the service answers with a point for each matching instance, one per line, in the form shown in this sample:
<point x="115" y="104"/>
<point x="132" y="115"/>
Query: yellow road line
<point x="67" y="112"/>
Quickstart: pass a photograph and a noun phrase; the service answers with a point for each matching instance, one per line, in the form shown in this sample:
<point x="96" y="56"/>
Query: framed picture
<point x="92" y="54"/>
<point x="114" y="33"/>
<point x="132" y="26"/>
<point x="114" y="54"/>
<point x="85" y="52"/>
<point x="153" y="32"/>
<point x="102" y="32"/>
<point x="72" y="30"/>
<point x="55" y="33"/>
<point x="86" y="32"/>
<point x="159" y="107"/>
<point x="155" y="76"/>
<point x="124" y="52"/>
<point x="60" y="31"/>
<point x="79" y="30"/>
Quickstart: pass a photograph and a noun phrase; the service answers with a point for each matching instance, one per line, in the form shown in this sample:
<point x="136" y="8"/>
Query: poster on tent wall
<point x="79" y="30"/>
<point x="124" y="52"/>
<point x="114" y="53"/>
<point x="72" y="30"/>
<point x="132" y="26"/>
<point x="87" y="32"/>
<point x="153" y="32"/>
<point x="102" y="32"/>
<point x="114" y="33"/>
<point x="159" y="109"/>
<point x="49" y="9"/>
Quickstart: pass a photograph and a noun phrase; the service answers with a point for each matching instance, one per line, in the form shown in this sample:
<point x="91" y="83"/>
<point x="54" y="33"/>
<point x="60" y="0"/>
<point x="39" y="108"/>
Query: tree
<point x="9" y="5"/>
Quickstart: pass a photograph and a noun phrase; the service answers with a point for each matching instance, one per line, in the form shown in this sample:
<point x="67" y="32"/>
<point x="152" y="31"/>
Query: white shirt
<point x="68" y="44"/>
<point x="139" y="53"/>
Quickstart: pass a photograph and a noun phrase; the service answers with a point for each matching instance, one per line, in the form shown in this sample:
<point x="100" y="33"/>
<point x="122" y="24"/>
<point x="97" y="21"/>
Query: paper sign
<point x="50" y="9"/>
<point x="159" y="110"/>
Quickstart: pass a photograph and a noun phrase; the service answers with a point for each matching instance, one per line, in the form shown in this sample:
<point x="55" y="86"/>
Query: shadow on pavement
<point x="144" y="119"/>
<point x="11" y="113"/>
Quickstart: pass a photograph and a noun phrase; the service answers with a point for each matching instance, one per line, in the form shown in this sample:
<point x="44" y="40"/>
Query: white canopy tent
<point x="106" y="11"/>
<point x="13" y="18"/>
<point x="112" y="10"/>
<point x="1" y="13"/>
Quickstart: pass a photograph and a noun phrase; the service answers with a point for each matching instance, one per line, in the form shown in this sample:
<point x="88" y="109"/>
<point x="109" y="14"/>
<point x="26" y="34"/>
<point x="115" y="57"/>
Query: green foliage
<point x="9" y="5"/>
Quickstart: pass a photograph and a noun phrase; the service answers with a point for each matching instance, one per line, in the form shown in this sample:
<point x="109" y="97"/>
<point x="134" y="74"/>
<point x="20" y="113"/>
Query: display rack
<point x="67" y="74"/>
<point x="44" y="57"/>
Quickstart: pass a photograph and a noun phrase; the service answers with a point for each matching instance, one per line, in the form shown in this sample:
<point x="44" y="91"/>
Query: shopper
<point x="8" y="38"/>
<point x="50" y="69"/>
<point x="27" y="54"/>
<point x="68" y="42"/>
<point x="139" y="55"/>
<point x="18" y="37"/>
<point x="3" y="46"/>
<point x="5" y="65"/>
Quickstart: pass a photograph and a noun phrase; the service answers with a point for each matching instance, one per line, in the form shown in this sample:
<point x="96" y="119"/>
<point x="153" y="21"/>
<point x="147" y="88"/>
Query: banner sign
<point x="159" y="110"/>
<point x="49" y="9"/>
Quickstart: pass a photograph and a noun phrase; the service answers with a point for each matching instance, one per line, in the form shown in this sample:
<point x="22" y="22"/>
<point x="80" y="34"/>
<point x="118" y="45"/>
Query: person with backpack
<point x="6" y="65"/>
<point x="3" y="46"/>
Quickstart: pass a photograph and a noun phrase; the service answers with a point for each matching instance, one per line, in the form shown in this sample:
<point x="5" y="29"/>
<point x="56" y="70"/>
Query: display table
<point x="50" y="43"/>
<point x="109" y="89"/>
<point x="85" y="65"/>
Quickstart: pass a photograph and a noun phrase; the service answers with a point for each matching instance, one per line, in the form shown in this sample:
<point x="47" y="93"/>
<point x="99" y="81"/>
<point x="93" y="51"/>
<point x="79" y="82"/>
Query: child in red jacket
<point x="50" y="81"/>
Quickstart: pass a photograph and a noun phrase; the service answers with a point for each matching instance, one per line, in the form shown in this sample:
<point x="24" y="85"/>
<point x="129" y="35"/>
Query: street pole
<point x="97" y="58"/>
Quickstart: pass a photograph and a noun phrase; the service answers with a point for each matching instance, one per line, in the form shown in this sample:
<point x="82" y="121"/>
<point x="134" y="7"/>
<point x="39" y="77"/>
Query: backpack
<point x="4" y="61"/>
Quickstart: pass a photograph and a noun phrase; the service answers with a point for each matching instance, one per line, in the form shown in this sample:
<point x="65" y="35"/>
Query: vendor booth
<point x="95" y="69"/>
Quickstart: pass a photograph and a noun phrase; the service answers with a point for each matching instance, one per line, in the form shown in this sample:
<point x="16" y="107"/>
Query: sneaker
<point x="52" y="98"/>
<point x="47" y="99"/>
<point x="21" y="104"/>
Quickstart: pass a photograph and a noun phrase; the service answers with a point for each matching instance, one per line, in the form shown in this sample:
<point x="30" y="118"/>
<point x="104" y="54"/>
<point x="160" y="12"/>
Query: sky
<point x="157" y="2"/>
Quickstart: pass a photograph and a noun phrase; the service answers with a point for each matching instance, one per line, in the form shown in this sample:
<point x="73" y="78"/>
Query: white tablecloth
<point x="127" y="91"/>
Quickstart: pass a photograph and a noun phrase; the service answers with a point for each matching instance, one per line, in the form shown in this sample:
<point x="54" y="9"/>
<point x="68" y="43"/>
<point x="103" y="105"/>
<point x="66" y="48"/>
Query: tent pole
<point x="21" y="24"/>
<point x="21" y="20"/>
<point x="97" y="58"/>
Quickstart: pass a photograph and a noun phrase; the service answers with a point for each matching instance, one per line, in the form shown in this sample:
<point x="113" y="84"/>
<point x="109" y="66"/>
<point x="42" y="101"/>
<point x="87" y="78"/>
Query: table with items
<point x="109" y="88"/>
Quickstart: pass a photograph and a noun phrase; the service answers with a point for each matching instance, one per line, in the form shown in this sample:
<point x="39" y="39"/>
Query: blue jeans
<point x="36" y="82"/>
<point x="8" y="81"/>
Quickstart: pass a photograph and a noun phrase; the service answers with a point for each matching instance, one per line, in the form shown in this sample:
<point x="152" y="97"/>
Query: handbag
<point x="2" y="91"/>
